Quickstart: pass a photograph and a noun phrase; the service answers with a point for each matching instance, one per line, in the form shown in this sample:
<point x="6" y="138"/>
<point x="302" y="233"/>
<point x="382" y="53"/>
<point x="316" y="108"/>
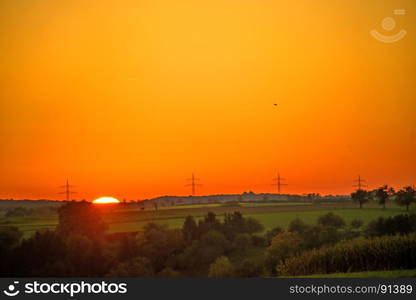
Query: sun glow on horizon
<point x="105" y="200"/>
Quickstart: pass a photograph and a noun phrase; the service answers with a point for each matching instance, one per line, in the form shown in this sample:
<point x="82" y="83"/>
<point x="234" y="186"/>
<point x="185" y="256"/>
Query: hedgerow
<point x="381" y="253"/>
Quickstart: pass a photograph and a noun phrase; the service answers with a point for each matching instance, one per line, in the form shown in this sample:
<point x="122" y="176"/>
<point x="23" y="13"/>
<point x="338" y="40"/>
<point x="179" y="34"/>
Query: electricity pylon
<point x="68" y="192"/>
<point x="279" y="182"/>
<point x="193" y="184"/>
<point x="360" y="183"/>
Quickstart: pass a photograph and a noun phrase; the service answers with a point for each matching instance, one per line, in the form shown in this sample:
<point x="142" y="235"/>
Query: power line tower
<point x="193" y="183"/>
<point x="360" y="183"/>
<point x="279" y="182"/>
<point x="68" y="192"/>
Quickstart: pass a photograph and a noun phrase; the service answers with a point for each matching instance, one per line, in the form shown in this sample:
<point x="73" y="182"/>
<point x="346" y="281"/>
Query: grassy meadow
<point x="269" y="214"/>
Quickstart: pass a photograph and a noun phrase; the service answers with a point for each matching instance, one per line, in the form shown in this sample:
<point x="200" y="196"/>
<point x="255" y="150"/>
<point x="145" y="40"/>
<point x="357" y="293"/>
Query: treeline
<point x="80" y="247"/>
<point x="230" y="246"/>
<point x="21" y="211"/>
<point x="403" y="197"/>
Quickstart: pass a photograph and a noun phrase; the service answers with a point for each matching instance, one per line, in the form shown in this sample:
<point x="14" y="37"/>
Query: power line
<point x="68" y="192"/>
<point x="193" y="184"/>
<point x="279" y="182"/>
<point x="360" y="183"/>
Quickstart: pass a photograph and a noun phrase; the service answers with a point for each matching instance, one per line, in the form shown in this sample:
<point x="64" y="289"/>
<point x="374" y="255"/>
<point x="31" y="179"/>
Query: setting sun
<point x="105" y="200"/>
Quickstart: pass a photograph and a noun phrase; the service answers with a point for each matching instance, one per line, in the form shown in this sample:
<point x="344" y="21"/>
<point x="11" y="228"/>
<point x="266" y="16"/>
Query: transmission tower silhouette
<point x="360" y="183"/>
<point x="68" y="192"/>
<point x="279" y="182"/>
<point x="193" y="184"/>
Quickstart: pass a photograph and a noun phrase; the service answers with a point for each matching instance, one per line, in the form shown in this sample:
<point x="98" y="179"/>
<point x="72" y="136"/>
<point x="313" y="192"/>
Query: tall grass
<point x="382" y="253"/>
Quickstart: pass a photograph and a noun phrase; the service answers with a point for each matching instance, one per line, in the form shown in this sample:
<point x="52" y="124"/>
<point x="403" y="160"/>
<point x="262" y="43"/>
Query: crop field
<point x="269" y="214"/>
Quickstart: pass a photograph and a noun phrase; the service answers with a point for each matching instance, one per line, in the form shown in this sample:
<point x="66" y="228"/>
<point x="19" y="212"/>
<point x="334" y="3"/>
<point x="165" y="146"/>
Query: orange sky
<point x="127" y="98"/>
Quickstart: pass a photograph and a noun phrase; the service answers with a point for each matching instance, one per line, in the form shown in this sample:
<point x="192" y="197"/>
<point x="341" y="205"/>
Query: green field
<point x="244" y="204"/>
<point x="269" y="214"/>
<point x="270" y="220"/>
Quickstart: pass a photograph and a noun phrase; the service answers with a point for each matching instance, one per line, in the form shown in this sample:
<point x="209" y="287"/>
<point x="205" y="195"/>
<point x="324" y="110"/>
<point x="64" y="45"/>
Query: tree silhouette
<point x="190" y="230"/>
<point x="360" y="196"/>
<point x="382" y="194"/>
<point x="81" y="218"/>
<point x="406" y="196"/>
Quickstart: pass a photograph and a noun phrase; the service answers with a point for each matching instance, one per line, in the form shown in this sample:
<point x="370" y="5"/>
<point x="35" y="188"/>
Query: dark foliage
<point x="400" y="224"/>
<point x="331" y="220"/>
<point x="81" y="218"/>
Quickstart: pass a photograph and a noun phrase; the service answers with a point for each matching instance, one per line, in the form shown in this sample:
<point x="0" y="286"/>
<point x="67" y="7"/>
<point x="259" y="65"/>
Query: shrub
<point x="235" y="223"/>
<point x="169" y="273"/>
<point x="81" y="218"/>
<point x="200" y="254"/>
<point x="259" y="241"/>
<point x="297" y="225"/>
<point x="332" y="220"/>
<point x="406" y="196"/>
<point x="242" y="241"/>
<point x="250" y="267"/>
<point x="221" y="268"/>
<point x="137" y="267"/>
<point x="317" y="236"/>
<point x="270" y="234"/>
<point x="399" y="224"/>
<point x="189" y="229"/>
<point x="356" y="223"/>
<point x="284" y="245"/>
<point x="361" y="197"/>
<point x="382" y="253"/>
<point x="9" y="237"/>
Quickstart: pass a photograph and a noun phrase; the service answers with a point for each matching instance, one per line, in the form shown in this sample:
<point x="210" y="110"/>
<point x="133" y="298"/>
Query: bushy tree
<point x="406" y="196"/>
<point x="169" y="273"/>
<point x="331" y="220"/>
<point x="127" y="248"/>
<point x="158" y="243"/>
<point x="209" y="222"/>
<point x="250" y="267"/>
<point x="242" y="241"/>
<point x="215" y="241"/>
<point x="252" y="226"/>
<point x="9" y="239"/>
<point x="382" y="194"/>
<point x="284" y="245"/>
<point x="197" y="257"/>
<point x="81" y="218"/>
<point x="189" y="230"/>
<point x="221" y="268"/>
<point x="137" y="267"/>
<point x="36" y="253"/>
<point x="317" y="236"/>
<point x="270" y="234"/>
<point x="360" y="196"/>
<point x="235" y="224"/>
<point x="298" y="226"/>
<point x="399" y="224"/>
<point x="356" y="223"/>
